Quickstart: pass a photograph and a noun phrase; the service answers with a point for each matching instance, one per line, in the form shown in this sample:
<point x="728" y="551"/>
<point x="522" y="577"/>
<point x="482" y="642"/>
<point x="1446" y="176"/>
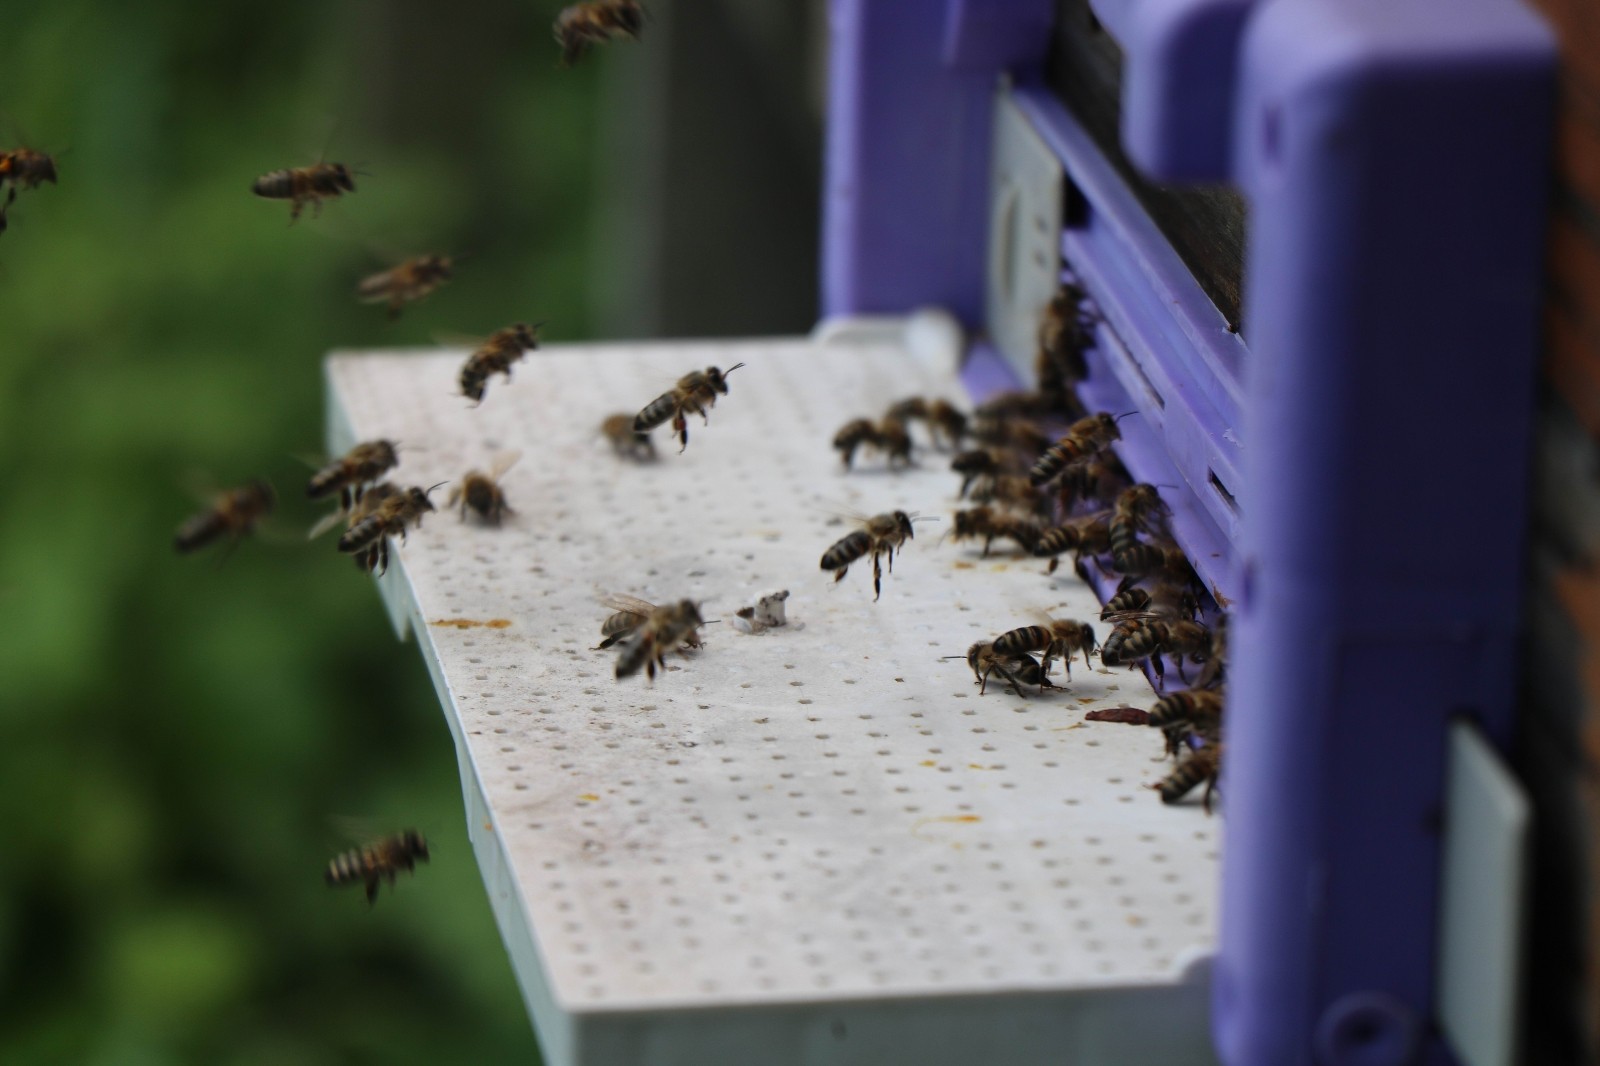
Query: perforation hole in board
<point x="820" y="809"/>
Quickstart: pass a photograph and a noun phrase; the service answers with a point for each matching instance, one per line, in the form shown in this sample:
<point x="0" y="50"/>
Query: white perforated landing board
<point x="817" y="844"/>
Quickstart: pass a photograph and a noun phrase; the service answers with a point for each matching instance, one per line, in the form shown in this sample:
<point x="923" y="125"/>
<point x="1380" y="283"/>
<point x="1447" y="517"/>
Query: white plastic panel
<point x="819" y="830"/>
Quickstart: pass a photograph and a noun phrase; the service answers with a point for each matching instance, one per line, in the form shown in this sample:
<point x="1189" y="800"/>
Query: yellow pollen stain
<point x="980" y="766"/>
<point x="589" y="796"/>
<point x="927" y="762"/>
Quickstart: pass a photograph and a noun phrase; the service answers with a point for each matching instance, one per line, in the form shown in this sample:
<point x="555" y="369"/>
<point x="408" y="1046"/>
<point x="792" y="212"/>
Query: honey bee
<point x="482" y="492"/>
<point x="1216" y="666"/>
<point x="1097" y="479"/>
<point x="1090" y="535"/>
<point x="1084" y="437"/>
<point x="23" y="168"/>
<point x="1167" y="597"/>
<point x="305" y="185"/>
<point x="694" y="392"/>
<point x="1139" y="560"/>
<point x="495" y="356"/>
<point x="1009" y="490"/>
<point x="361" y="465"/>
<point x="945" y="421"/>
<point x="663" y="629"/>
<point x="1017" y="435"/>
<point x="1063" y="336"/>
<point x="1202" y="764"/>
<point x="394" y="513"/>
<point x="1061" y="638"/>
<point x="1009" y="406"/>
<point x="1017" y="669"/>
<point x="1151" y="637"/>
<point x="379" y="861"/>
<point x="234" y="514"/>
<point x="991" y="525"/>
<point x="628" y="614"/>
<point x="1192" y="710"/>
<point x="625" y="440"/>
<point x="879" y="536"/>
<point x="888" y="436"/>
<point x="413" y="280"/>
<point x="581" y="26"/>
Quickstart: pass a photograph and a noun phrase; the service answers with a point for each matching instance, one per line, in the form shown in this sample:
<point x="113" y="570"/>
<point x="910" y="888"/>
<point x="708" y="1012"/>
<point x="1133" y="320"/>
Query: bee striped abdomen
<point x="846" y="550"/>
<point x="199" y="531"/>
<point x="1130" y="600"/>
<point x="1197" y="708"/>
<point x="361" y="535"/>
<point x="357" y="864"/>
<point x="278" y="185"/>
<point x="1025" y="639"/>
<point x="1056" y="457"/>
<point x="1136" y="559"/>
<point x="619" y="625"/>
<point x="1199" y="766"/>
<point x="656" y="412"/>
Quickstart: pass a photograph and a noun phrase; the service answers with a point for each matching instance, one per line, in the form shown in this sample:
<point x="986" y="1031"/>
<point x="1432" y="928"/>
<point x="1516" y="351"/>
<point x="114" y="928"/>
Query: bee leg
<point x="1007" y="674"/>
<point x="877" y="578"/>
<point x="1088" y="663"/>
<point x="1211" y="786"/>
<point x="840" y="575"/>
<point x="983" y="684"/>
<point x="1055" y="561"/>
<point x="1181" y="671"/>
<point x="680" y="426"/>
<point x="1161" y="672"/>
<point x="986" y="542"/>
<point x="372" y="889"/>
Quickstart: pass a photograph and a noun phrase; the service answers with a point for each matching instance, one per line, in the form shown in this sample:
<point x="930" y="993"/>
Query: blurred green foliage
<point x="180" y="733"/>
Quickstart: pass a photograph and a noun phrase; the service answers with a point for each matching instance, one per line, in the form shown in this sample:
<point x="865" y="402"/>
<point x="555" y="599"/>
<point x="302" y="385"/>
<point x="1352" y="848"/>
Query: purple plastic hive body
<point x="1394" y="156"/>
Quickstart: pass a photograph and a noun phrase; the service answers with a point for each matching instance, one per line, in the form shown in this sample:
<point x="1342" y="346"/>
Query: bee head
<point x="438" y="264"/>
<point x="262" y="492"/>
<point x="386" y="452"/>
<point x="416" y="844"/>
<point x="717" y="378"/>
<point x="527" y="336"/>
<point x="342" y="178"/>
<point x="419" y="497"/>
<point x="902" y="522"/>
<point x="691" y="611"/>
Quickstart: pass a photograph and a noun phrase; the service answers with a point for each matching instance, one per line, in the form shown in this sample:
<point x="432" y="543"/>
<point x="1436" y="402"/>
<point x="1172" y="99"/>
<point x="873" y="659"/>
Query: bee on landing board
<point x="394" y="513"/>
<point x="992" y="524"/>
<point x="382" y="860"/>
<point x="1203" y="764"/>
<point x="305" y="185"/>
<point x="879" y="536"/>
<point x="581" y="26"/>
<point x="1089" y="535"/>
<point x="1083" y="439"/>
<point x="662" y="630"/>
<point x="482" y="492"/>
<point x="888" y="436"/>
<point x="411" y="281"/>
<point x="1016" y="669"/>
<point x="359" y="467"/>
<point x="1150" y="636"/>
<point x="1191" y="711"/>
<point x="234" y="515"/>
<point x="1060" y="638"/>
<point x="628" y="614"/>
<point x="694" y="392"/>
<point x="495" y="356"/>
<point x="625" y="440"/>
<point x="947" y="424"/>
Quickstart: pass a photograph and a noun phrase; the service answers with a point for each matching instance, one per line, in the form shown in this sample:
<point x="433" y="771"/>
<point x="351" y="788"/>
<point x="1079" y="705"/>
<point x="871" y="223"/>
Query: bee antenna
<point x="731" y="369"/>
<point x="430" y="488"/>
<point x="1125" y="414"/>
<point x="708" y="621"/>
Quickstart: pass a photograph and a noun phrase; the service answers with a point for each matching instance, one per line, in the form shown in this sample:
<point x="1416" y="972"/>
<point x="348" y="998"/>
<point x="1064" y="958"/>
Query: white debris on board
<point x="768" y="612"/>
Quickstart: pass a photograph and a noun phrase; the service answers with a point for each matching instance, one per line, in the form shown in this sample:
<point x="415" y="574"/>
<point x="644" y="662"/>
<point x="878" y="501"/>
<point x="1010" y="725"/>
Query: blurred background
<point x="179" y="737"/>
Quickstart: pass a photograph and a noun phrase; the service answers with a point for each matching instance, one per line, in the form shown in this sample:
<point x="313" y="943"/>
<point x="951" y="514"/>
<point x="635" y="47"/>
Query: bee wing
<point x="375" y="287"/>
<point x="460" y="340"/>
<point x="503" y="462"/>
<point x="632" y="604"/>
<point x="325" y="523"/>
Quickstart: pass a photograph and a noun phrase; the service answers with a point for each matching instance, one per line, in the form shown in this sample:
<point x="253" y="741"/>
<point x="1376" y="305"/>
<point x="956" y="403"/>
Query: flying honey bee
<point x="888" y="435"/>
<point x="625" y="440"/>
<point x="1192" y="710"/>
<point x="662" y="630"/>
<point x="23" y="168"/>
<point x="694" y="392"/>
<point x="481" y="492"/>
<point x="1064" y="334"/>
<point x="381" y="860"/>
<point x="879" y="536"/>
<point x="1060" y="638"/>
<point x="1151" y="637"/>
<point x="991" y="525"/>
<point x="628" y="614"/>
<point x="1084" y="438"/>
<point x="234" y="514"/>
<point x="411" y="281"/>
<point x="495" y="356"/>
<point x="361" y="465"/>
<point x="1203" y="764"/>
<point x="581" y="26"/>
<point x="1089" y="535"/>
<point x="394" y="513"/>
<point x="305" y="185"/>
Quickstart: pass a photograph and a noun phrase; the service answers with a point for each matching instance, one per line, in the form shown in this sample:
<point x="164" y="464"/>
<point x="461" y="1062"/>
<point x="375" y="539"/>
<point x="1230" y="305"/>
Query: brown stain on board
<point x="471" y="623"/>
